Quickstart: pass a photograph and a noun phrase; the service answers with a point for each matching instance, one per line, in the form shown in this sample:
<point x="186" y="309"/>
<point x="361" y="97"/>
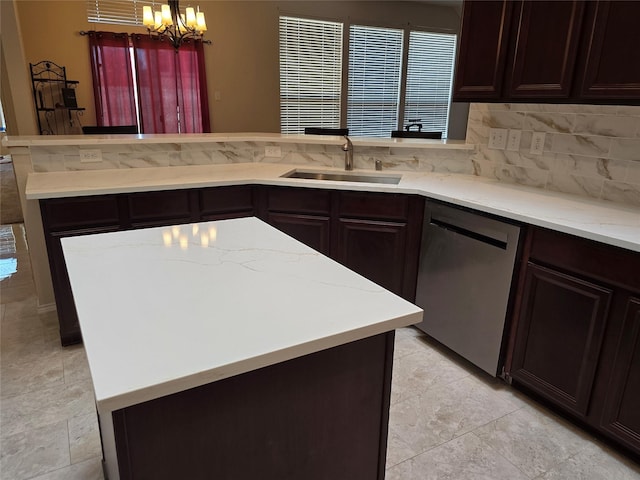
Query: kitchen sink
<point x="343" y="176"/>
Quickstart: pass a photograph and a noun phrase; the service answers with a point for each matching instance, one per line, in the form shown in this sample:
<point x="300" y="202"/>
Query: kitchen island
<point x="229" y="350"/>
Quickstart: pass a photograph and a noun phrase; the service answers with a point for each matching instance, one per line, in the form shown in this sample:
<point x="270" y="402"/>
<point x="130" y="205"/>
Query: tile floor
<point x="448" y="420"/>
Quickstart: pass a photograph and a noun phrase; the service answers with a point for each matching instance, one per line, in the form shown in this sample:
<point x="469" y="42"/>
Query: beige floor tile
<point x="465" y="458"/>
<point x="443" y="413"/>
<point x="419" y="371"/>
<point x="76" y="367"/>
<point x="19" y="378"/>
<point x="404" y="345"/>
<point x="87" y="470"/>
<point x="35" y="452"/>
<point x="398" y="450"/>
<point x="84" y="438"/>
<point x="46" y="406"/>
<point x="533" y="440"/>
<point x="595" y="462"/>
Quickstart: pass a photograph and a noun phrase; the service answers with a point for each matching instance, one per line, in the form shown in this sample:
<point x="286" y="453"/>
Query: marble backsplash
<point x="589" y="150"/>
<point x="67" y="158"/>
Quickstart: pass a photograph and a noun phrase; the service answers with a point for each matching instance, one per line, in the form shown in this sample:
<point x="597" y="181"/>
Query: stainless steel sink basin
<point x="343" y="176"/>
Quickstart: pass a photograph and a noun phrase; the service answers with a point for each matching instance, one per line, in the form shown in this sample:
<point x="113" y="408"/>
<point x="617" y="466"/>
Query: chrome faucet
<point x="348" y="154"/>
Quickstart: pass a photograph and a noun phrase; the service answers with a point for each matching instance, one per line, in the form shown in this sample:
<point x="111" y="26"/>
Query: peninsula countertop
<point x="606" y="222"/>
<point x="166" y="309"/>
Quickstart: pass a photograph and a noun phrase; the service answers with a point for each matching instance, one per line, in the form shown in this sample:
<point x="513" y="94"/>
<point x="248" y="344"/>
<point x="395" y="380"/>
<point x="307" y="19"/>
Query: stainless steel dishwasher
<point x="464" y="278"/>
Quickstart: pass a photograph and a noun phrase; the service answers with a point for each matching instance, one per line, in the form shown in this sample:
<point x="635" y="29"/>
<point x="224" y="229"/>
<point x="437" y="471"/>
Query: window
<point x="379" y="98"/>
<point x="375" y="60"/>
<point x="310" y="74"/>
<point x="429" y="79"/>
<point x="119" y="12"/>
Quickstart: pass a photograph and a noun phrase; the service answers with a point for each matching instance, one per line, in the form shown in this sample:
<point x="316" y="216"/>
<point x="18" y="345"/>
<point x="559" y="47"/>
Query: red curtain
<point x="112" y="79"/>
<point x="172" y="89"/>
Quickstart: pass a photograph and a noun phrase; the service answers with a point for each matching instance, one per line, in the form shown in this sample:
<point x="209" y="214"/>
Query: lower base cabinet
<point x="577" y="333"/>
<point x="374" y="234"/>
<point x="320" y="416"/>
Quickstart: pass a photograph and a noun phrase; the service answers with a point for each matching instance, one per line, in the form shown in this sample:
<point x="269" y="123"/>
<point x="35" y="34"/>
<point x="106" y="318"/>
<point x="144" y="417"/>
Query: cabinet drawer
<point x="387" y="206"/>
<point x="79" y="212"/>
<point x="299" y="200"/>
<point x="586" y="257"/>
<point x="225" y="200"/>
<point x="157" y="206"/>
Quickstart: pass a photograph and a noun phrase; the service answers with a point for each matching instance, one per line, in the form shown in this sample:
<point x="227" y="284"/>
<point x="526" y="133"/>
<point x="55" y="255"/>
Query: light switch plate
<point x="537" y="143"/>
<point x="497" y="138"/>
<point x="273" y="151"/>
<point x="513" y="140"/>
<point x="88" y="155"/>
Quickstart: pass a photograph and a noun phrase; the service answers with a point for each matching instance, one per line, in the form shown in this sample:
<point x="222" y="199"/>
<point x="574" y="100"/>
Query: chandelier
<point x="170" y="23"/>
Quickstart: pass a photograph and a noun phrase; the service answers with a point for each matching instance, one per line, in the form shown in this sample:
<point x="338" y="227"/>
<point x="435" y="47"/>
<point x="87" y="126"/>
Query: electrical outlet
<point x="498" y="138"/>
<point x="513" y="140"/>
<point x="90" y="155"/>
<point x="537" y="143"/>
<point x="273" y="151"/>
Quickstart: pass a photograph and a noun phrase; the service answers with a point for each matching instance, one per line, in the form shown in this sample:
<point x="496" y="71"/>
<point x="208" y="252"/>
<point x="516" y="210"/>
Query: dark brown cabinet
<point x="151" y="209"/>
<point x="375" y="234"/>
<point x="482" y="54"/>
<point x="379" y="237"/>
<point x="217" y="203"/>
<point x="304" y="214"/>
<point x="621" y="411"/>
<point x="563" y="322"/>
<point x="577" y="332"/>
<point x="545" y="51"/>
<point x="549" y="51"/>
<point x="612" y="65"/>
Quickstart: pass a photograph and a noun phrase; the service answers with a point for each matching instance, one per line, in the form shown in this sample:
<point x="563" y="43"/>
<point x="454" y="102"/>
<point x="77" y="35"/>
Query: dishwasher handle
<point x="468" y="233"/>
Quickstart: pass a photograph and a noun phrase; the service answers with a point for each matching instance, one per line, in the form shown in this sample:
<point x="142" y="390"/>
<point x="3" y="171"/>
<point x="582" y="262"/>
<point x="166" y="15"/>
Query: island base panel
<point x="323" y="415"/>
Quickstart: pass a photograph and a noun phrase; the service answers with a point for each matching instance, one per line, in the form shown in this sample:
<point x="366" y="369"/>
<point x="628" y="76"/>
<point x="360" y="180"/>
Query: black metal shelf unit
<point x="54" y="97"/>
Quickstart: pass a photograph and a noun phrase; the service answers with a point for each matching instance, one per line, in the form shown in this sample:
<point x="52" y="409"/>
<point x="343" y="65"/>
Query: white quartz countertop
<point x="606" y="222"/>
<point x="166" y="309"/>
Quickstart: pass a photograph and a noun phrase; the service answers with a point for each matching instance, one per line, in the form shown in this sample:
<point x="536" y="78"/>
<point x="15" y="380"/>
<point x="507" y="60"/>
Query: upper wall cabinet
<point x="612" y="52"/>
<point x="549" y="51"/>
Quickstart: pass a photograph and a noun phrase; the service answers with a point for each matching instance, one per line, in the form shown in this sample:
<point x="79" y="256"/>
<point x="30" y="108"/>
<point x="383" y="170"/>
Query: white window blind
<point x="310" y="74"/>
<point x="119" y="12"/>
<point x="429" y="79"/>
<point x="375" y="60"/>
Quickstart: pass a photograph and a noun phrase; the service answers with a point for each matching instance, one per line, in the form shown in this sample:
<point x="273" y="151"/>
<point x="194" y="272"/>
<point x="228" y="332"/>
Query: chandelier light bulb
<point x="166" y="15"/>
<point x="201" y="24"/>
<point x="170" y="23"/>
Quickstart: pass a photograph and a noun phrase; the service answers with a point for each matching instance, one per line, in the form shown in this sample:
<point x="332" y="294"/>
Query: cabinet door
<point x="559" y="336"/>
<point x="484" y="37"/>
<point x="312" y="230"/>
<point x="217" y="203"/>
<point x="375" y="250"/>
<point x="621" y="414"/>
<point x="62" y="214"/>
<point x="546" y="49"/>
<point x="67" y="316"/>
<point x="612" y="69"/>
<point x="170" y="207"/>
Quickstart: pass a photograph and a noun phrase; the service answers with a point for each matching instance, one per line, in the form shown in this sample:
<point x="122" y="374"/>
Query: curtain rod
<point x="84" y="33"/>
